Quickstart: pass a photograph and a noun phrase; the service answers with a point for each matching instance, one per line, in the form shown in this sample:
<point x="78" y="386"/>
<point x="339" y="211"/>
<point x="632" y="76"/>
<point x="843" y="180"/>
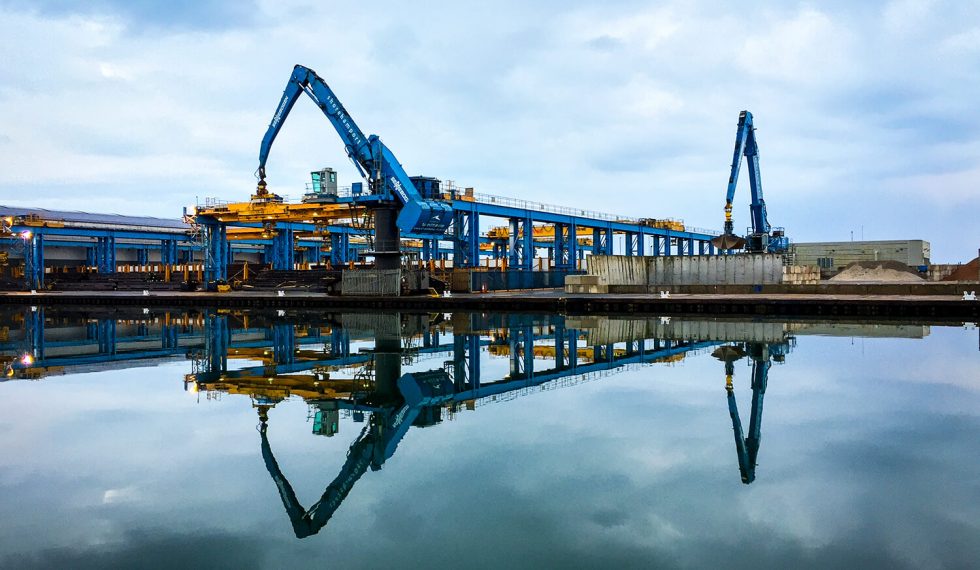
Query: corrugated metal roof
<point x="90" y="218"/>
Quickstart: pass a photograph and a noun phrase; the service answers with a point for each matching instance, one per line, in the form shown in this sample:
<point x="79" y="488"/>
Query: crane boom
<point x="745" y="144"/>
<point x="374" y="161"/>
<point x="759" y="238"/>
<point x="375" y="445"/>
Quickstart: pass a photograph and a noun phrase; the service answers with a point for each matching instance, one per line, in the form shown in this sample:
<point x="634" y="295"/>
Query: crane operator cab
<point x="323" y="186"/>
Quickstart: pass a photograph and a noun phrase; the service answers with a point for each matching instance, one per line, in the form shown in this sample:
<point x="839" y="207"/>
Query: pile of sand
<point x="967" y="272"/>
<point x="877" y="272"/>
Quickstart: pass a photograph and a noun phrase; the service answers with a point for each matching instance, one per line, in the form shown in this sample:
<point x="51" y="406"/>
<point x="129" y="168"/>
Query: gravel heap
<point x="877" y="272"/>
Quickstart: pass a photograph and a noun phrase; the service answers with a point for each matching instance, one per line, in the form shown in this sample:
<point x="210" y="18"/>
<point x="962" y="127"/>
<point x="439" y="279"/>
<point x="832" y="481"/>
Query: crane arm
<point x="374" y="161"/>
<point x="307" y="522"/>
<point x="747" y="448"/>
<point x="376" y="443"/>
<point x="745" y="145"/>
<point x="305" y="80"/>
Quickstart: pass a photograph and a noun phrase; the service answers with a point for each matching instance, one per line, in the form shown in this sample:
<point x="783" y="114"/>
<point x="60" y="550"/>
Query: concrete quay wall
<point x="639" y="274"/>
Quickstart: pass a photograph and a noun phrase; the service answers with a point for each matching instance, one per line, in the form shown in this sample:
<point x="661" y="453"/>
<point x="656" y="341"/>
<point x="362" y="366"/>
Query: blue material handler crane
<point x="761" y="237"/>
<point x="391" y="190"/>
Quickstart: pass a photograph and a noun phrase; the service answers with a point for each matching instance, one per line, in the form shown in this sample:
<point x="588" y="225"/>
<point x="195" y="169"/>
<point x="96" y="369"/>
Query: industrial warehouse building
<point x="832" y="256"/>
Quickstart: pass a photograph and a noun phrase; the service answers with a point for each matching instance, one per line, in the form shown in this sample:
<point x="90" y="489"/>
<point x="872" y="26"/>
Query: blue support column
<point x="514" y="351"/>
<point x="561" y="246"/>
<point x="142" y="257"/>
<point x="217" y="338"/>
<point x="630" y="243"/>
<point x="107" y="336"/>
<point x="690" y="247"/>
<point x="572" y="335"/>
<point x="339" y="247"/>
<point x="602" y="241"/>
<point x="711" y="248"/>
<point x="466" y="242"/>
<point x="34" y="332"/>
<point x="168" y="336"/>
<point x="657" y="247"/>
<point x="34" y="260"/>
<point x="283" y="249"/>
<point x="520" y="242"/>
<point x="283" y="341"/>
<point x="528" y="245"/>
<point x="573" y="249"/>
<point x="339" y="342"/>
<point x="216" y="251"/>
<point x="106" y="254"/>
<point x="168" y="252"/>
<point x="560" y="344"/>
<point x="459" y="362"/>
<point x="528" y="334"/>
<point x="701" y="244"/>
<point x="473" y="360"/>
<point x="91" y="257"/>
<point x="566" y="247"/>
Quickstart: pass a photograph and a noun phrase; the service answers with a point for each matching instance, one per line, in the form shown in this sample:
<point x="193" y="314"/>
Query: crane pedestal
<point x="387" y="237"/>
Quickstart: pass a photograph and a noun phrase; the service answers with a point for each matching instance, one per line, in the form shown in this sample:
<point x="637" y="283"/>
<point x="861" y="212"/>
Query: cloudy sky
<point x="867" y="112"/>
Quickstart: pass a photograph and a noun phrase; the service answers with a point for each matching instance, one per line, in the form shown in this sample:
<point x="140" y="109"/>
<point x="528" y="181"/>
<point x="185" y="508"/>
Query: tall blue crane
<point x="761" y="237"/>
<point x="387" y="180"/>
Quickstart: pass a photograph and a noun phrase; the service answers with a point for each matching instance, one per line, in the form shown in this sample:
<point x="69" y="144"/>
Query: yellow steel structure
<point x="541" y="233"/>
<point x="664" y="224"/>
<point x="270" y="211"/>
<point x="308" y="387"/>
<point x="584" y="353"/>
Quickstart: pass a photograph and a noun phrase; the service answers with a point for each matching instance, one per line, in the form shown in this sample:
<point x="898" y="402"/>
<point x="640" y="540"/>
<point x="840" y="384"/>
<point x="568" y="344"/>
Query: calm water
<point x="153" y="439"/>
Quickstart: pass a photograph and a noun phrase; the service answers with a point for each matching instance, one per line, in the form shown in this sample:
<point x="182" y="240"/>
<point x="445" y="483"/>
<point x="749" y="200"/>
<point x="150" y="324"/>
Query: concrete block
<point x="582" y="280"/>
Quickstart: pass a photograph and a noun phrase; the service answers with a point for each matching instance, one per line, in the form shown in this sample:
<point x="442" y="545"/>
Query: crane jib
<point x="282" y="108"/>
<point x="344" y="120"/>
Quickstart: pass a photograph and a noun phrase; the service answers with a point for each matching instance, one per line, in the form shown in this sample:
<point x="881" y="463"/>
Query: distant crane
<point x="761" y="237"/>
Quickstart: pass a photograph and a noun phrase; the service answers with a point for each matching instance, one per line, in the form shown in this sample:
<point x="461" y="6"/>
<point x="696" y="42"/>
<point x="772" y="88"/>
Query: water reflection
<point x="392" y="372"/>
<point x="762" y="356"/>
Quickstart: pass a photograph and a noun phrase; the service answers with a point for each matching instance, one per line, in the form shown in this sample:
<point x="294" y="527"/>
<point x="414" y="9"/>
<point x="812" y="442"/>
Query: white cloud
<point x="968" y="42"/>
<point x="807" y="49"/>
<point x="902" y="17"/>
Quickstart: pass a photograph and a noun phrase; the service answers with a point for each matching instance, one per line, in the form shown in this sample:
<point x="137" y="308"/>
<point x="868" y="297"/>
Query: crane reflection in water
<point x="389" y="401"/>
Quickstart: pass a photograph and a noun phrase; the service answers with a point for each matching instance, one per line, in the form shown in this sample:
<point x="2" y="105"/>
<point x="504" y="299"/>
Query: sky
<point x="866" y="112"/>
